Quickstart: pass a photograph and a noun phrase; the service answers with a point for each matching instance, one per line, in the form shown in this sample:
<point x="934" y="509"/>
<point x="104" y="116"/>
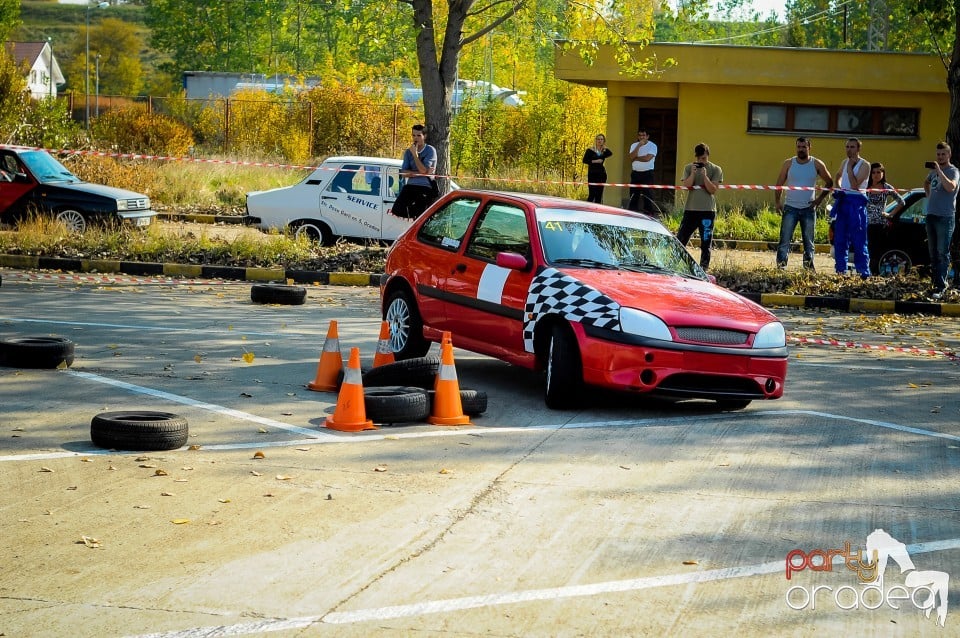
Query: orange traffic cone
<point x="350" y="415"/>
<point x="384" y="351"/>
<point x="447" y="409"/>
<point x="330" y="364"/>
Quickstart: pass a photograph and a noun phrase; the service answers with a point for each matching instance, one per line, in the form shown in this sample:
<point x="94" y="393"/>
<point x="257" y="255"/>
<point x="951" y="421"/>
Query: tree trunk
<point x="953" y="87"/>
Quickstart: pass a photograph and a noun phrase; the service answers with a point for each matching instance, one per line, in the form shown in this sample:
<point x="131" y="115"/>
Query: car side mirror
<point x="513" y="261"/>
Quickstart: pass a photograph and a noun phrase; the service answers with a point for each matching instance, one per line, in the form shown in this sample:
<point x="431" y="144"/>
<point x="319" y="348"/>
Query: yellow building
<point x="749" y="104"/>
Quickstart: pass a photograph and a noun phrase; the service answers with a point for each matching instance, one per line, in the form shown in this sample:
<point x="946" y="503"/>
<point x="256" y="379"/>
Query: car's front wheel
<point x="314" y="231"/>
<point x="406" y="326"/>
<point x="894" y="262"/>
<point x="564" y="370"/>
<point x="72" y="219"/>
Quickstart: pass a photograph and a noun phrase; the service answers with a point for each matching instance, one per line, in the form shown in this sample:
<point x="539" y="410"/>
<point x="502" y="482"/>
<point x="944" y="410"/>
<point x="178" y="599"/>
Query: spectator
<point x="700" y="211"/>
<point x="850" y="209"/>
<point x="878" y="192"/>
<point x="643" y="155"/>
<point x="800" y="206"/>
<point x="418" y="166"/>
<point x="941" y="189"/>
<point x="594" y="158"/>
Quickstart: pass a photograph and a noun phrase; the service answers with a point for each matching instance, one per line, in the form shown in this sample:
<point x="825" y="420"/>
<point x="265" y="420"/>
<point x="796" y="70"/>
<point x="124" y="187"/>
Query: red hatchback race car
<point x="591" y="294"/>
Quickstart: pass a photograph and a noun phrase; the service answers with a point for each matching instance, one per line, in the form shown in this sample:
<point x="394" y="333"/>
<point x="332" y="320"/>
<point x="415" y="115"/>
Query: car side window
<point x="393" y="182"/>
<point x="501" y="228"/>
<point x="915" y="211"/>
<point x="353" y="178"/>
<point x="447" y="226"/>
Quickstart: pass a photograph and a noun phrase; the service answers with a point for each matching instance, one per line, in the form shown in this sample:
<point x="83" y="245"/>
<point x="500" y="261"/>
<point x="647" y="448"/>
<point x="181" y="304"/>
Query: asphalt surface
<point x="625" y="517"/>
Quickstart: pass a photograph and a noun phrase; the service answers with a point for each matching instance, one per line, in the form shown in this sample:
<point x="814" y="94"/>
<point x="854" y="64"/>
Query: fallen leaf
<point x="166" y="493"/>
<point x="380" y="468"/>
<point x="329" y="497"/>
<point x="17" y="430"/>
<point x="160" y="472"/>
<point x="912" y="385"/>
<point x="142" y="458"/>
<point x="186" y="468"/>
<point x="248" y="357"/>
<point x="223" y="500"/>
<point x="194" y="447"/>
<point x="256" y="473"/>
<point x="261" y="431"/>
<point x="89" y="541"/>
<point x="86" y="461"/>
<point x="180" y="521"/>
<point x="197" y="358"/>
<point x="259" y="455"/>
<point x="141" y="507"/>
<point x="303" y="449"/>
<point x="444" y="470"/>
<point x="246" y="395"/>
<point x="624" y="467"/>
<point x="690" y="562"/>
<point x="63" y="366"/>
<point x="283" y="477"/>
<point x="72" y="488"/>
<point x="111" y="468"/>
<point x="180" y="480"/>
<point x="147" y="465"/>
<point x="268" y="495"/>
<point x="45" y="469"/>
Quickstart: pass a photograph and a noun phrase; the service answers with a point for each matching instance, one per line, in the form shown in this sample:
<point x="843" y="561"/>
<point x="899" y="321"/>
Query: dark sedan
<point x="33" y="182"/>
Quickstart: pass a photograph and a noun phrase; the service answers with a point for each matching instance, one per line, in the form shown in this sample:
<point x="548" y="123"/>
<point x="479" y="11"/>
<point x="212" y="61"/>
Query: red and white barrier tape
<point x="201" y="160"/>
<point x="877" y="348"/>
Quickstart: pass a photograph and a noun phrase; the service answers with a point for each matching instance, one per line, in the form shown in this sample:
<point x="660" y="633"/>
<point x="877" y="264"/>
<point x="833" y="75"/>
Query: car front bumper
<point x="680" y="369"/>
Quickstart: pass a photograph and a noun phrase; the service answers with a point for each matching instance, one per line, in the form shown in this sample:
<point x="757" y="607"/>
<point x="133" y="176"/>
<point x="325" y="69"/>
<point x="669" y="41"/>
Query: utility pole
<point x="879" y="26"/>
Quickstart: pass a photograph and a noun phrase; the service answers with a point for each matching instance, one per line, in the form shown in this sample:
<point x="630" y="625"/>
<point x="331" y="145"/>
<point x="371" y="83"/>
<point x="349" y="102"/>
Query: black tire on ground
<point x="419" y="372"/>
<point x="406" y="326"/>
<point x="564" y="371"/>
<point x="395" y="404"/>
<point x="141" y="430"/>
<point x="473" y="402"/>
<point x="36" y="352"/>
<point x="277" y="293"/>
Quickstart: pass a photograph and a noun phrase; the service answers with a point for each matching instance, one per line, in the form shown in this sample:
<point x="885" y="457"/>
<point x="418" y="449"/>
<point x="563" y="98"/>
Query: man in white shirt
<point x="800" y="174"/>
<point x="643" y="154"/>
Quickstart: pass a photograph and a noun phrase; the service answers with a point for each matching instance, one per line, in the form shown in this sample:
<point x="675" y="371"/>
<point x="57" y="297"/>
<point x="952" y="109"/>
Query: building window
<point x="840" y="120"/>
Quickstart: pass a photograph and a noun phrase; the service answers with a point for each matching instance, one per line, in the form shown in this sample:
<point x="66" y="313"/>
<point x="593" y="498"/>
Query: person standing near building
<point x="800" y="206"/>
<point x="643" y="155"/>
<point x="850" y="208"/>
<point x="594" y="158"/>
<point x="941" y="189"/>
<point x="418" y="166"/>
<point x="700" y="212"/>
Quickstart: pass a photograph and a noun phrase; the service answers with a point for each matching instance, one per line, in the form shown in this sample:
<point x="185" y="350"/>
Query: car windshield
<point x="46" y="169"/>
<point x="577" y="238"/>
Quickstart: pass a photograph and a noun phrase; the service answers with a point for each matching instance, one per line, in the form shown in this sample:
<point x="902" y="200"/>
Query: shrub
<point x="133" y="129"/>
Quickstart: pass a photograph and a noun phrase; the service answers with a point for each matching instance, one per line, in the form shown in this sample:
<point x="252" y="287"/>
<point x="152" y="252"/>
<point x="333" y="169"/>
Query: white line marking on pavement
<point x="507" y="598"/>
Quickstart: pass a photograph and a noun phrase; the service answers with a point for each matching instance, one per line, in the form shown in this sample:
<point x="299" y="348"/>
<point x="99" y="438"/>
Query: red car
<point x="591" y="294"/>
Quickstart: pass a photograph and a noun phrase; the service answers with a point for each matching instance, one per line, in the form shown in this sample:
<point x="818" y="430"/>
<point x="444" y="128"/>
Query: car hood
<point x="676" y="300"/>
<point x="98" y="189"/>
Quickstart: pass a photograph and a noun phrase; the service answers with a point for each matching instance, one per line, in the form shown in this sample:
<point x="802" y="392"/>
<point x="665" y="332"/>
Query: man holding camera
<point x="941" y="189"/>
<point x="703" y="178"/>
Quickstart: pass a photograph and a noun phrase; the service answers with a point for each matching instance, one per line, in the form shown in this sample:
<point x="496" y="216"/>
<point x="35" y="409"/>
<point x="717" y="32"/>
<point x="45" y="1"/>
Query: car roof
<point x="551" y="201"/>
<point x="361" y="159"/>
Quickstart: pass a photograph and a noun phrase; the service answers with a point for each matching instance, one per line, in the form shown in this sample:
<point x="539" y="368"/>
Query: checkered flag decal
<point x="551" y="291"/>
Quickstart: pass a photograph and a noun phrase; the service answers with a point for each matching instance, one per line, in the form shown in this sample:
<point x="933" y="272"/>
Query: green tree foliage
<point x="118" y="46"/>
<point x="9" y="18"/>
<point x="24" y="120"/>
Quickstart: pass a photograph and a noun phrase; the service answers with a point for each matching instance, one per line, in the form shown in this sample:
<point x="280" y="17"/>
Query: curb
<point x="147" y="269"/>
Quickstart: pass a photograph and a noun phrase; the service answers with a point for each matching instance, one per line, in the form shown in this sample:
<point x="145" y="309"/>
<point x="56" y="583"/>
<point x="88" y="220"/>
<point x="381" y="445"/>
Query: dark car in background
<point x="900" y="245"/>
<point x="33" y="182"/>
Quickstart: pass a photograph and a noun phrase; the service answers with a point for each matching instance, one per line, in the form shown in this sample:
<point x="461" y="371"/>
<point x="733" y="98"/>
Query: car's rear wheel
<point x="406" y="326"/>
<point x="72" y="219"/>
<point x="314" y="231"/>
<point x="564" y="370"/>
<point x="894" y="262"/>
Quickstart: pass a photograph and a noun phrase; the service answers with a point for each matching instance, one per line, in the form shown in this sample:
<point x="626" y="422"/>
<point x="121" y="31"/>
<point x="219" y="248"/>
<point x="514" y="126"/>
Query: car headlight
<point x="644" y="324"/>
<point x="121" y="204"/>
<point x="771" y="335"/>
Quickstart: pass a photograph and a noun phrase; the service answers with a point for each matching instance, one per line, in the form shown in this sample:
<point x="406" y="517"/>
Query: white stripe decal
<point x="492" y="282"/>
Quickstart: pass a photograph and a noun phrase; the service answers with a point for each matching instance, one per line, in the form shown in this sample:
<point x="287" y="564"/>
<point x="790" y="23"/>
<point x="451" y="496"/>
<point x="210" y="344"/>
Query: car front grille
<point x="716" y="336"/>
<point x="141" y="203"/>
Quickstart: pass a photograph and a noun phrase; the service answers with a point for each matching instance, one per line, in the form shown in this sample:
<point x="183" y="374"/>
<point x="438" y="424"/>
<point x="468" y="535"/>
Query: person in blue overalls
<point x="850" y="210"/>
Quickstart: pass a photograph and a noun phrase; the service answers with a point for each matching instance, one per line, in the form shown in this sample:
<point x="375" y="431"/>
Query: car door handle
<point x="461" y="268"/>
<point x="328" y="197"/>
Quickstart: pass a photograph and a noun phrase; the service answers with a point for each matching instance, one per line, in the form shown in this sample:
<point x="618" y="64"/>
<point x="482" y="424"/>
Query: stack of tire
<point x="402" y="392"/>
